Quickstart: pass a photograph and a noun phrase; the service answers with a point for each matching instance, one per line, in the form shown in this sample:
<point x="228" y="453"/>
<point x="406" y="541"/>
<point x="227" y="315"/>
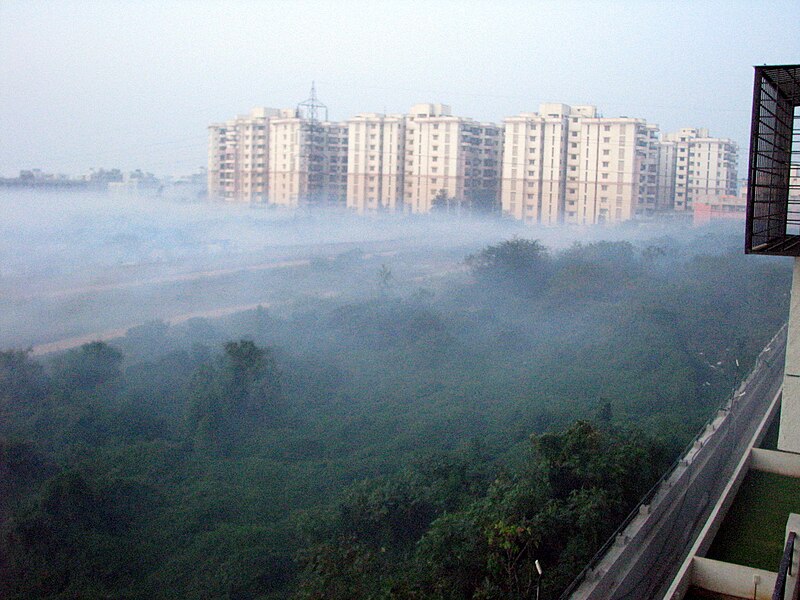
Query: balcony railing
<point x="785" y="571"/>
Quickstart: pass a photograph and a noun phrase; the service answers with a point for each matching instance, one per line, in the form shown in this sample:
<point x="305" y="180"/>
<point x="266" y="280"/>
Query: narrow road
<point x="104" y="336"/>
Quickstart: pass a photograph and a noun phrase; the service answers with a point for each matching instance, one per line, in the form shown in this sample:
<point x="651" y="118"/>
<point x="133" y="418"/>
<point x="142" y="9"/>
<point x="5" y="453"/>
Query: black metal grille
<point x="773" y="194"/>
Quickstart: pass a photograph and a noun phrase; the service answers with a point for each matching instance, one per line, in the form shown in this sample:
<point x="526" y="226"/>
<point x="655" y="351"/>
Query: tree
<point x="234" y="397"/>
<point x="384" y="280"/>
<point x="250" y="379"/>
<point x="90" y="365"/>
<point x="521" y="265"/>
<point x="441" y="202"/>
<point x="21" y="379"/>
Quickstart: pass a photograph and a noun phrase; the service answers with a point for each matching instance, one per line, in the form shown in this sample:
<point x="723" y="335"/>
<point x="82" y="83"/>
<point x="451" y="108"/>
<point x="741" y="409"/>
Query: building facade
<point x="703" y="166"/>
<point x="376" y="162"/>
<point x="534" y="165"/>
<point x="612" y="168"/>
<point x="307" y="161"/>
<point x="568" y="165"/>
<point x="451" y="163"/>
<point x="237" y="157"/>
<point x="563" y="164"/>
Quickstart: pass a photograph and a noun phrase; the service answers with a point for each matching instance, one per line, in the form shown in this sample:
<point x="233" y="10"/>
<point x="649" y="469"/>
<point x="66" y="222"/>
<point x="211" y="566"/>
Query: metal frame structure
<point x="311" y="110"/>
<point x="773" y="200"/>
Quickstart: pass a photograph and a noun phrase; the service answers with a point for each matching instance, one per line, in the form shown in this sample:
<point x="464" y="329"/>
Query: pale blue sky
<point x="135" y="84"/>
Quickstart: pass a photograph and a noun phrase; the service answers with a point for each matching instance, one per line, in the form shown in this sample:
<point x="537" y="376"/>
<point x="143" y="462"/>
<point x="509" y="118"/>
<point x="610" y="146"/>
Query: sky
<point x="135" y="84"/>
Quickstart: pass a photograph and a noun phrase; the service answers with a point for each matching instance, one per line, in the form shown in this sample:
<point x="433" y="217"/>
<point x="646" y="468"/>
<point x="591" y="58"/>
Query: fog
<point x="79" y="264"/>
<point x="290" y="402"/>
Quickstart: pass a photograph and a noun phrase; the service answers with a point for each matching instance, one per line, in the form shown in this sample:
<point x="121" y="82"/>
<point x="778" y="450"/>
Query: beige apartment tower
<point x="566" y="164"/>
<point x="307" y="161"/>
<point x="611" y="170"/>
<point x="237" y="157"/>
<point x="535" y="160"/>
<point x="451" y="163"/>
<point x="376" y="162"/>
<point x="703" y="166"/>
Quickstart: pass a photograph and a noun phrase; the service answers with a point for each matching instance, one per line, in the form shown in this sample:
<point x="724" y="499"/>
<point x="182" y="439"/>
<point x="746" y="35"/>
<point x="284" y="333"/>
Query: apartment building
<point x="307" y="161"/>
<point x="376" y="162"/>
<point x="535" y="161"/>
<point x="704" y="166"/>
<point x="451" y="163"/>
<point x="612" y="166"/>
<point x="667" y="157"/>
<point x="566" y="164"/>
<point x="237" y="157"/>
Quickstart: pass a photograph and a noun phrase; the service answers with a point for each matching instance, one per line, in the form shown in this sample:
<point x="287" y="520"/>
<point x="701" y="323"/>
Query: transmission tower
<point x="313" y="148"/>
<point x="312" y="108"/>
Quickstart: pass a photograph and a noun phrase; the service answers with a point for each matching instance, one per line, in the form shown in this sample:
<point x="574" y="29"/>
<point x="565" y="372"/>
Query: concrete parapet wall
<point x="780" y="463"/>
<point x="660" y="511"/>
<point x="687" y="573"/>
<point x="717" y="516"/>
<point x="789" y="433"/>
<point x="699" y="490"/>
<point x="733" y="580"/>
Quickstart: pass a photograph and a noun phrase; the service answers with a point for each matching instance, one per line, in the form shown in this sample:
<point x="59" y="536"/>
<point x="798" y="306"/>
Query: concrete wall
<point x="687" y="573"/>
<point x="789" y="434"/>
<point x="780" y="463"/>
<point x="734" y="580"/>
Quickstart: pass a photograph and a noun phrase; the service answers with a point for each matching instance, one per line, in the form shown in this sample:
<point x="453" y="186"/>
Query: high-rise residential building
<point x="566" y="164"/>
<point x="704" y="166"/>
<point x="666" y="175"/>
<point x="450" y="162"/>
<point x="534" y="162"/>
<point x="611" y="170"/>
<point x="307" y="160"/>
<point x="237" y="157"/>
<point x="376" y="162"/>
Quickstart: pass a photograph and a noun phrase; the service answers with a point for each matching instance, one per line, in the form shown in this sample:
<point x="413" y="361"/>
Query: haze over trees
<point x="414" y="443"/>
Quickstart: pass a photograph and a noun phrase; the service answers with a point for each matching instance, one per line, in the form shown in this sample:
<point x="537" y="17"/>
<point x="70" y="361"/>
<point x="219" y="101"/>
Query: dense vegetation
<point x="429" y="444"/>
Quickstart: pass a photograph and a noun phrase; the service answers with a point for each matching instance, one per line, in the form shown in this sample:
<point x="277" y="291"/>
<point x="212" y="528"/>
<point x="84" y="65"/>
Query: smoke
<point x="79" y="266"/>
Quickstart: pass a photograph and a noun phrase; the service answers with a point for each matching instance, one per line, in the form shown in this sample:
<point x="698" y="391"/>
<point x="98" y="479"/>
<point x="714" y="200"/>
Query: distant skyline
<point x="135" y="84"/>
